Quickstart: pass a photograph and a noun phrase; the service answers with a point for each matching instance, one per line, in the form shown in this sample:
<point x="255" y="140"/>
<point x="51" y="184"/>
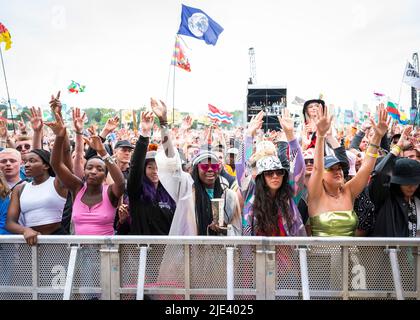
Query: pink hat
<point x="352" y="163"/>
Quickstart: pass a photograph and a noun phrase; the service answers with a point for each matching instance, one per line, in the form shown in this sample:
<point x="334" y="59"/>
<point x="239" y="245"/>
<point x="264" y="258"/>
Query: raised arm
<point x="315" y="181"/>
<point x="138" y="160"/>
<point x="359" y="182"/>
<point x="78" y="122"/>
<point x="160" y="111"/>
<point x="37" y="127"/>
<point x="297" y="176"/>
<point x="63" y="173"/>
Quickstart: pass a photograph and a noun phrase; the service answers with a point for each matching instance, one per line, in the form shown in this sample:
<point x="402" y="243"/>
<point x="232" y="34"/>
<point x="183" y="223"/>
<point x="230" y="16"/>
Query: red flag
<point x="218" y="115"/>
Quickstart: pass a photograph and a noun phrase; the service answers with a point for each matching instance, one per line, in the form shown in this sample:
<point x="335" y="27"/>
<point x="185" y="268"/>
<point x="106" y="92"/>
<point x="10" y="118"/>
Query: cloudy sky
<point x="121" y="50"/>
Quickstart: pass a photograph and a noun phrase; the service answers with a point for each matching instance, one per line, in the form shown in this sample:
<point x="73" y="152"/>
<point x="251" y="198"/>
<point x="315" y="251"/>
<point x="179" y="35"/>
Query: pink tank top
<point x="97" y="220"/>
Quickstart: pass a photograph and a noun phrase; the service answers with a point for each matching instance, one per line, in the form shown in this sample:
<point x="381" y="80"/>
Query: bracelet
<point x="397" y="149"/>
<point x="79" y="133"/>
<point x="374" y="145"/>
<point x="373" y="155"/>
<point x="320" y="136"/>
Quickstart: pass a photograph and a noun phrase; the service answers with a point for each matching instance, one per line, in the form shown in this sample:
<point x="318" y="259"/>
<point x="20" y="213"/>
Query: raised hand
<point x="255" y="124"/>
<point x="57" y="126"/>
<point x="3" y="129"/>
<point x="22" y="127"/>
<point x="93" y="130"/>
<point x="146" y="123"/>
<point x="186" y="123"/>
<point x="112" y="124"/>
<point x="366" y="125"/>
<point x="160" y="110"/>
<point x="381" y="127"/>
<point x="287" y="124"/>
<point x="323" y="123"/>
<point x="55" y="103"/>
<point x="78" y="120"/>
<point x="36" y="119"/>
<point x="95" y="143"/>
<point x="405" y="137"/>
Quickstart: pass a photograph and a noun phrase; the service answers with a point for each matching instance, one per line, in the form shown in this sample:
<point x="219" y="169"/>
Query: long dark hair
<point x="203" y="211"/>
<point x="266" y="207"/>
<point x="151" y="194"/>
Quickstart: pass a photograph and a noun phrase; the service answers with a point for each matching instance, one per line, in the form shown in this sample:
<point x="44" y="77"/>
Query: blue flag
<point x="197" y="24"/>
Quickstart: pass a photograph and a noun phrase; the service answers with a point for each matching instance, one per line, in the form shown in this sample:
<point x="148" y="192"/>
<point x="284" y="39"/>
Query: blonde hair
<point x="12" y="151"/>
<point x="4" y="187"/>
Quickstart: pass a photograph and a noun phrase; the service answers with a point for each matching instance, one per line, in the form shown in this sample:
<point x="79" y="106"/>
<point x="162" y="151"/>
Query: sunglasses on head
<point x="271" y="173"/>
<point x="20" y="147"/>
<point x="206" y="166"/>
<point x="309" y="161"/>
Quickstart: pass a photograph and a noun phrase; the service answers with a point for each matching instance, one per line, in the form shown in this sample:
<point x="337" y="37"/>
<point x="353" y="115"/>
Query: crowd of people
<point x="60" y="178"/>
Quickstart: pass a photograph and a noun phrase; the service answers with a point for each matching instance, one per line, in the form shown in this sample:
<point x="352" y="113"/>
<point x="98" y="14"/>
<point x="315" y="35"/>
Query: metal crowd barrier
<point x="201" y="268"/>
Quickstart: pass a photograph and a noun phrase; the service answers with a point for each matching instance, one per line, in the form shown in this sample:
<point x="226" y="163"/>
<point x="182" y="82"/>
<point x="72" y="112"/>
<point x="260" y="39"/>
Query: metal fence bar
<point x="417" y="251"/>
<point x="70" y="273"/>
<point x="35" y="272"/>
<point x="304" y="273"/>
<point x="230" y="279"/>
<point x="187" y="272"/>
<point x="259" y="271"/>
<point x="345" y="251"/>
<point x="142" y="273"/>
<point x="396" y="273"/>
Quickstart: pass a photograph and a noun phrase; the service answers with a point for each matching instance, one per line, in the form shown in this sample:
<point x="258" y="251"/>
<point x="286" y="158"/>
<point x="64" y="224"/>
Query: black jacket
<point x="147" y="218"/>
<point x="391" y="210"/>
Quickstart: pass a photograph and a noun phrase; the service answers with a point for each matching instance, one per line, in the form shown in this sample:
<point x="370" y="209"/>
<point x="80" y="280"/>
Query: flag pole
<point x="173" y="99"/>
<point x="7" y="90"/>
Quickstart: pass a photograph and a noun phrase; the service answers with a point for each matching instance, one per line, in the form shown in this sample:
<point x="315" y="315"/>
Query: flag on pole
<point x="379" y="96"/>
<point x="394" y="113"/>
<point x="197" y="24"/>
<point x="75" y="87"/>
<point x="5" y="36"/>
<point x="179" y="59"/>
<point x="217" y="115"/>
<point x="411" y="76"/>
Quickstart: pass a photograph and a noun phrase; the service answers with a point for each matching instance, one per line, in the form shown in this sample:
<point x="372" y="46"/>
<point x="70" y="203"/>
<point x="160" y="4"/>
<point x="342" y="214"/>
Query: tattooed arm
<point x="160" y="111"/>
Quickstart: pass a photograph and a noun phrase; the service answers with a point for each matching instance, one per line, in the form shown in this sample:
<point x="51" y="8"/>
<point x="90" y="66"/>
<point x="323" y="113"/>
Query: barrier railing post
<point x="230" y="279"/>
<point x="396" y="273"/>
<point x="187" y="272"/>
<point x="142" y="273"/>
<point x="260" y="272"/>
<point x="345" y="251"/>
<point x="304" y="272"/>
<point x="70" y="272"/>
<point x="418" y="272"/>
<point x="35" y="272"/>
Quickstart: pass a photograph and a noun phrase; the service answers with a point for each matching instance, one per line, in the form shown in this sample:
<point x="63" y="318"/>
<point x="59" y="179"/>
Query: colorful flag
<point x="395" y="114"/>
<point x="218" y="115"/>
<point x="75" y="87"/>
<point x="379" y="96"/>
<point x="197" y="24"/>
<point x="179" y="58"/>
<point x="5" y="36"/>
<point x="411" y="76"/>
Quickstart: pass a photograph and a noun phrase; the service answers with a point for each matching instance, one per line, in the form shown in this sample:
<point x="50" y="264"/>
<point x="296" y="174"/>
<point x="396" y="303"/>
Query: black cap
<point x="123" y="144"/>
<point x="45" y="157"/>
<point x="406" y="172"/>
<point x="330" y="161"/>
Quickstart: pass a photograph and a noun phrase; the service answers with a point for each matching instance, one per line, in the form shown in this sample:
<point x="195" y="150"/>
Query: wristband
<point x="374" y="145"/>
<point x="373" y="155"/>
<point x="397" y="149"/>
<point x="79" y="133"/>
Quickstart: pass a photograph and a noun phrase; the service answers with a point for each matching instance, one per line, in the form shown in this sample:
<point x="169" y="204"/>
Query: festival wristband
<point x="79" y="133"/>
<point x="374" y="145"/>
<point x="373" y="155"/>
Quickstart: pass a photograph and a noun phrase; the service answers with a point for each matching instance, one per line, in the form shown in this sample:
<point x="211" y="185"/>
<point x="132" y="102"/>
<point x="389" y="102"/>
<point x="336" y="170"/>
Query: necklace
<point x="330" y="194"/>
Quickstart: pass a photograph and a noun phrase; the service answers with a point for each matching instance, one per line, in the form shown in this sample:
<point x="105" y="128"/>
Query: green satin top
<point x="334" y="223"/>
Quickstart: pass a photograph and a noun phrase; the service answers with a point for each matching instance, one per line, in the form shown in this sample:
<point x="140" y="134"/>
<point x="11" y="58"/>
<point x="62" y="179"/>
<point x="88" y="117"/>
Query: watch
<point x="108" y="158"/>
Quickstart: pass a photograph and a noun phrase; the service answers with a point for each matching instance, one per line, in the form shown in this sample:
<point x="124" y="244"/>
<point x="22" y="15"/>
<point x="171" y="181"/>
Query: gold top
<point x="334" y="223"/>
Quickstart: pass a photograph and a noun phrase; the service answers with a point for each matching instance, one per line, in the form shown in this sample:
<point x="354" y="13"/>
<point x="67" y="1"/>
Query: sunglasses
<point x="271" y="173"/>
<point x="309" y="161"/>
<point x="205" y="166"/>
<point x="20" y="147"/>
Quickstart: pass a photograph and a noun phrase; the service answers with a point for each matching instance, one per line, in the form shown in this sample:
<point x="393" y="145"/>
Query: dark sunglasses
<point x="20" y="147"/>
<point x="278" y="173"/>
<point x="309" y="161"/>
<point x="205" y="166"/>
